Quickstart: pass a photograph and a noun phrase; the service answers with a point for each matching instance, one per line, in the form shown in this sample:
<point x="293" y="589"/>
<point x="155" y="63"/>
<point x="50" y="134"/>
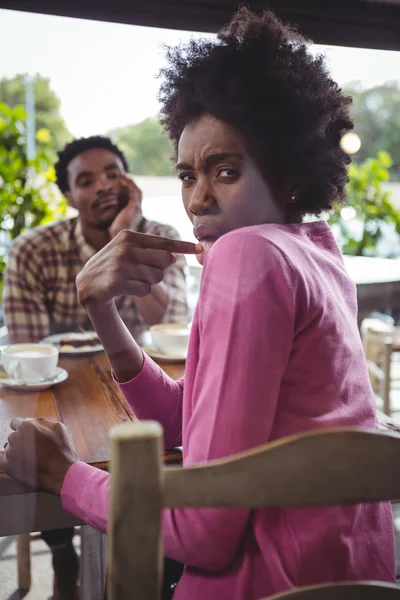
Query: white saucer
<point x="162" y="357"/>
<point x="60" y="376"/>
<point x="83" y="335"/>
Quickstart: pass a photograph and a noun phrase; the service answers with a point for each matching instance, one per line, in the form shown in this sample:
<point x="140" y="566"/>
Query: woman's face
<point x="222" y="188"/>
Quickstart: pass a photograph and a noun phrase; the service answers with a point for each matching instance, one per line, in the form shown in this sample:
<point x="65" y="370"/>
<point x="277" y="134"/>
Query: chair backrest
<point x="374" y="332"/>
<point x="378" y="316"/>
<point x="315" y="468"/>
<point x="380" y="341"/>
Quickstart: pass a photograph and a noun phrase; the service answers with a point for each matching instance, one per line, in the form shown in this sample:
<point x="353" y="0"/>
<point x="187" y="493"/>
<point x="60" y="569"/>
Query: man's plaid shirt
<point x="39" y="288"/>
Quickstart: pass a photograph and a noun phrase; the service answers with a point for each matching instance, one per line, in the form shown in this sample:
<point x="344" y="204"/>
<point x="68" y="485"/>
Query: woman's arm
<point x="85" y="494"/>
<point x="123" y="353"/>
<point x="131" y="264"/>
<point x="154" y="395"/>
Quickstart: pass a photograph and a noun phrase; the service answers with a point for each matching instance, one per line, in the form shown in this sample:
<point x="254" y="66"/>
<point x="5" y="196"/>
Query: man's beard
<point x="104" y="224"/>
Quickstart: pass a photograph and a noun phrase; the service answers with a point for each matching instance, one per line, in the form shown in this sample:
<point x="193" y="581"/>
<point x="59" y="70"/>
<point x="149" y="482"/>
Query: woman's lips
<point x="203" y="231"/>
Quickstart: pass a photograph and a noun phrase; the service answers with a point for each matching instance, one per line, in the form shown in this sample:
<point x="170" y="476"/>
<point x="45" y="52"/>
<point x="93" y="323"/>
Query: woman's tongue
<point x="207" y="244"/>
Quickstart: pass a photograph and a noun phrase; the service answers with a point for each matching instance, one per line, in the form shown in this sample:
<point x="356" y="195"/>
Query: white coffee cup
<point x="30" y="363"/>
<point x="171" y="338"/>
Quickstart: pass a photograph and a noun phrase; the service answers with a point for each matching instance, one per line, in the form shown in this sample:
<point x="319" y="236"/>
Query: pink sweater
<point x="274" y="350"/>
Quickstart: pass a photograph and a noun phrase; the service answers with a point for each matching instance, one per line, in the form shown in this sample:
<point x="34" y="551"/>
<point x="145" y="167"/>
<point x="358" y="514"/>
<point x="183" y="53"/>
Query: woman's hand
<point x="38" y="454"/>
<point x="129" y="265"/>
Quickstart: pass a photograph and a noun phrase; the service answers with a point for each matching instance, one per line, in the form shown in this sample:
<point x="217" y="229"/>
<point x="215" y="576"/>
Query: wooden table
<point x="377" y="281"/>
<point x="89" y="404"/>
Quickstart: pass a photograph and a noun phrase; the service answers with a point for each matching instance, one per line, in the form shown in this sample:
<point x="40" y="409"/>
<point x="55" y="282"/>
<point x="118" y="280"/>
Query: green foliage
<point x="27" y="195"/>
<point x="146" y="146"/>
<point x="368" y="214"/>
<point x="47" y="107"/>
<point x="376" y="112"/>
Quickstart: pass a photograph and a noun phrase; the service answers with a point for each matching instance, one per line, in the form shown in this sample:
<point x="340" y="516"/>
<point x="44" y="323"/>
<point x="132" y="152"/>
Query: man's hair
<point x="77" y="147"/>
<point x="259" y="76"/>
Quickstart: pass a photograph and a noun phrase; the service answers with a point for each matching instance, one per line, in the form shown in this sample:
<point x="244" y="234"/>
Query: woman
<point x="256" y="121"/>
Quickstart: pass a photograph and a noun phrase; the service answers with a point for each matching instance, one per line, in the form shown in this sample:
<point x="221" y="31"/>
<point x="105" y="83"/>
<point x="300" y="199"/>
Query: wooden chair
<point x="315" y="468"/>
<point x="381" y="342"/>
<point x="343" y="591"/>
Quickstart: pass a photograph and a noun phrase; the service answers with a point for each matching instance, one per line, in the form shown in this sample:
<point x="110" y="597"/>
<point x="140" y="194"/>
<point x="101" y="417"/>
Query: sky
<point x="105" y="73"/>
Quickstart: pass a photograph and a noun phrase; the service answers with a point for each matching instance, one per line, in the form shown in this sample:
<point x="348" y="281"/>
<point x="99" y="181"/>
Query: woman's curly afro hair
<point x="259" y="76"/>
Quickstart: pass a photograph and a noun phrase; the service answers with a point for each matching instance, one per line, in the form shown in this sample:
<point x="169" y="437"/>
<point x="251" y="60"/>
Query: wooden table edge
<point x="11" y="487"/>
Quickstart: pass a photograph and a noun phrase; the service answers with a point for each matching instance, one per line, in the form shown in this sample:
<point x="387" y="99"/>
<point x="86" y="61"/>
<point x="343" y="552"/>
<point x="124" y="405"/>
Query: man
<point x="39" y="288"/>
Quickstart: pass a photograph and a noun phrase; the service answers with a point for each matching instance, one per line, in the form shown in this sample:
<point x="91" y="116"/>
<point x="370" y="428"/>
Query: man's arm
<point x="25" y="312"/>
<point x="152" y="307"/>
<point x="167" y="301"/>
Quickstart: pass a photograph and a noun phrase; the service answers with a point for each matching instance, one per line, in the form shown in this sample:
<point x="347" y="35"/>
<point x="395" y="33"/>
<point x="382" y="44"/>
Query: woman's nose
<point x="201" y="200"/>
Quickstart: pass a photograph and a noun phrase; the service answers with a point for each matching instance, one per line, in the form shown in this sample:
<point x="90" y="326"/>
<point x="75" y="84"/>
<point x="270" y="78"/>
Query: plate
<point x="84" y="335"/>
<point x="162" y="357"/>
<point x="60" y="376"/>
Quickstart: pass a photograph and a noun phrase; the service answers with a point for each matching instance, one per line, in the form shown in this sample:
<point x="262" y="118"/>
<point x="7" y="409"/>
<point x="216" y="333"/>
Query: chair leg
<point x="24" y="561"/>
<point x="387" y="362"/>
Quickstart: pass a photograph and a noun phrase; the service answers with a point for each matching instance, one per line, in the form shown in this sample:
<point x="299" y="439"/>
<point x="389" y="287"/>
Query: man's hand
<point x="129" y="265"/>
<point x="38" y="454"/>
<point x="130" y="216"/>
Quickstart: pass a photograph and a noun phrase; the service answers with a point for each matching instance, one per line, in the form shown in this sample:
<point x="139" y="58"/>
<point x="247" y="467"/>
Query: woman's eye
<point x="187" y="177"/>
<point x="227" y="173"/>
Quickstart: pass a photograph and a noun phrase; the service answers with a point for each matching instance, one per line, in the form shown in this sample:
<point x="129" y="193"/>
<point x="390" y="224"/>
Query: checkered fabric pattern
<point x="40" y="296"/>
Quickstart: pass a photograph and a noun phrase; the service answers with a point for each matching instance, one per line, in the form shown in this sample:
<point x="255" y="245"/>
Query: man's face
<point x="95" y="188"/>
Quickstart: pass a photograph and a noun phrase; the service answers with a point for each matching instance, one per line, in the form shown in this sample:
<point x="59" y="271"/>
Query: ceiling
<point x="361" y="23"/>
